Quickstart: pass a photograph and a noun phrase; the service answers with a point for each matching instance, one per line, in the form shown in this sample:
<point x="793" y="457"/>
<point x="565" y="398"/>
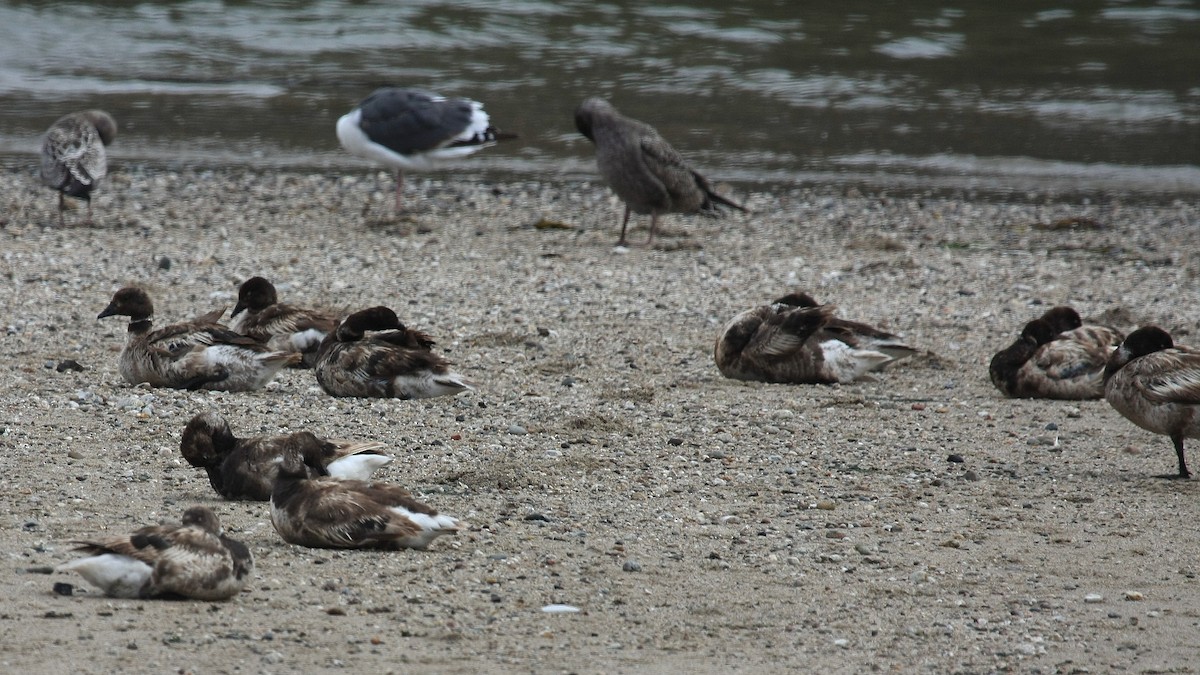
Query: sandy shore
<point x="698" y="523"/>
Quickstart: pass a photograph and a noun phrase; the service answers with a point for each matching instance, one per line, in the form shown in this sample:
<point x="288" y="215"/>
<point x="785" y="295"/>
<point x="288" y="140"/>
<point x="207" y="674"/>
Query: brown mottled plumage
<point x="198" y="354"/>
<point x="391" y="362"/>
<point x="73" y="156"/>
<point x="245" y="468"/>
<point x="193" y="559"/>
<point x="282" y="327"/>
<point x="649" y="175"/>
<point x="853" y="334"/>
<point x="776" y="343"/>
<point x="1056" y="357"/>
<point x="325" y="512"/>
<point x="1156" y="385"/>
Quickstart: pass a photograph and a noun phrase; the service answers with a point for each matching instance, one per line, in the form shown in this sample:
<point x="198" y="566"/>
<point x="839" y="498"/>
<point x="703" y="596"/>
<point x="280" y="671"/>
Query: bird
<point x="781" y="342"/>
<point x="192" y="559"/>
<point x="853" y="334"/>
<point x="393" y="361"/>
<point x="282" y="327"/>
<point x="73" y="157"/>
<point x="327" y="512"/>
<point x="645" y="172"/>
<point x="1055" y="357"/>
<point x="412" y="129"/>
<point x="197" y="354"/>
<point x="245" y="468"/>
<point x="1156" y="385"/>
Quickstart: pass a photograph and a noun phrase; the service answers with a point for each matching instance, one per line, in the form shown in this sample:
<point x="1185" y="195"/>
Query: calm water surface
<point x="1084" y="95"/>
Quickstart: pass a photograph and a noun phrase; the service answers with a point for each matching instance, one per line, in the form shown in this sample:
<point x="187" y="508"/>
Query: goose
<point x="245" y="468"/>
<point x="197" y="354"/>
<point x="393" y="361"/>
<point x="1156" y="385"/>
<point x="327" y="512"/>
<point x="282" y="327"/>
<point x="192" y="559"/>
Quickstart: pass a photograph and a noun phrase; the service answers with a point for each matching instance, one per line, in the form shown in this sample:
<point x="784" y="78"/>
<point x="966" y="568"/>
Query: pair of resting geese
<point x="370" y="353"/>
<point x="1144" y="376"/>
<point x="409" y="129"/>
<point x="321" y="496"/>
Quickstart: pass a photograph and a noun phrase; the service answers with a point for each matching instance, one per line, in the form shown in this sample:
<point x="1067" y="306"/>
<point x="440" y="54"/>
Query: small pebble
<point x="631" y="566"/>
<point x="517" y="430"/>
<point x="1051" y="427"/>
<point x="955" y="458"/>
<point x="75" y="453"/>
<point x="970" y="475"/>
<point x="1134" y="596"/>
<point x="164" y="263"/>
<point x="1093" y="598"/>
<point x="66" y="589"/>
<point x="675" y="441"/>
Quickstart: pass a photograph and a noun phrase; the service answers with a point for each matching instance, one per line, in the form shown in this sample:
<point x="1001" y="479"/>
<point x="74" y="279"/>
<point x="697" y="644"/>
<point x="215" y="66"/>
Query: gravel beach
<point x="916" y="521"/>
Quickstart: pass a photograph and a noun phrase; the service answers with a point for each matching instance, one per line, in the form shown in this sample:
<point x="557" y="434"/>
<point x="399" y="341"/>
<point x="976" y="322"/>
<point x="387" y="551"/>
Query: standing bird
<point x="325" y="512"/>
<point x="643" y="169"/>
<point x="392" y="362"/>
<point x="1055" y="357"/>
<point x="193" y="559"/>
<point x="1156" y="385"/>
<point x="245" y="468"/>
<point x="411" y="129"/>
<point x="282" y="327"/>
<point x="73" y="157"/>
<point x="781" y="343"/>
<point x="197" y="354"/>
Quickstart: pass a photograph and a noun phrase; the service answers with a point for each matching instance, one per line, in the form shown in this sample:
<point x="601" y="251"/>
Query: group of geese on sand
<point x="320" y="490"/>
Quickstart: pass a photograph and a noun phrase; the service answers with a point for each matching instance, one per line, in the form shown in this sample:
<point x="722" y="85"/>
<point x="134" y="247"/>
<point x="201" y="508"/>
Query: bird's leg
<point x="1177" y="439"/>
<point x="624" y="224"/>
<point x="399" y="190"/>
<point x="653" y="225"/>
<point x="89" y="220"/>
<point x="62" y="206"/>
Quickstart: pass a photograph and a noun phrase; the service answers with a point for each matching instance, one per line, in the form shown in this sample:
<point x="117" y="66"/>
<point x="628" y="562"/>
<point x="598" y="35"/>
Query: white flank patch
<point x="117" y="575"/>
<point x="427" y="385"/>
<point x="432" y="527"/>
<point x="357" y="467"/>
<point x="307" y="338"/>
<point x="849" y="364"/>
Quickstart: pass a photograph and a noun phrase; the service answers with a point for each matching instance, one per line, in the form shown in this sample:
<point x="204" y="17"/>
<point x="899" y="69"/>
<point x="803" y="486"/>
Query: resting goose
<point x="1055" y="357"/>
<point x="192" y="559"/>
<point x="327" y="512"/>
<point x="282" y="327"/>
<point x="198" y="354"/>
<point x="245" y="468"/>
<point x="393" y="361"/>
<point x="780" y="343"/>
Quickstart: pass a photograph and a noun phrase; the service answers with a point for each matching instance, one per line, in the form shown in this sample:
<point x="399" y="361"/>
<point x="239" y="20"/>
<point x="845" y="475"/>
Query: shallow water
<point x="1088" y="96"/>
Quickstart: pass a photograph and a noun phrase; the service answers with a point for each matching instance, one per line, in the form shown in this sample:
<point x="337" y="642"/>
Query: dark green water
<point x="1099" y="96"/>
